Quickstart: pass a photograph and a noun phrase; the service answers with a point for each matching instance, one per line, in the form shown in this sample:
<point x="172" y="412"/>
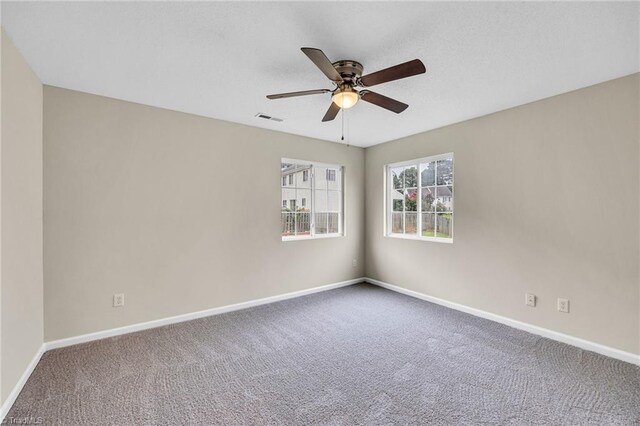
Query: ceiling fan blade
<point x="331" y="112"/>
<point x="300" y="93"/>
<point x="397" y="72"/>
<point x="383" y="101"/>
<point x="318" y="57"/>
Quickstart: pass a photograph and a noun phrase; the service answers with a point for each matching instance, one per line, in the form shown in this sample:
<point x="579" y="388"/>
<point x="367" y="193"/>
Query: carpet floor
<point x="359" y="355"/>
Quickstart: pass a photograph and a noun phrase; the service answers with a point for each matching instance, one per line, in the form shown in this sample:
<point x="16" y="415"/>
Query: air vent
<point x="268" y="117"/>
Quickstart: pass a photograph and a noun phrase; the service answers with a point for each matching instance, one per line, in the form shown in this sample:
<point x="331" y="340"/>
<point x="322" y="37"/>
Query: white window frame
<point x="388" y="205"/>
<point x="341" y="222"/>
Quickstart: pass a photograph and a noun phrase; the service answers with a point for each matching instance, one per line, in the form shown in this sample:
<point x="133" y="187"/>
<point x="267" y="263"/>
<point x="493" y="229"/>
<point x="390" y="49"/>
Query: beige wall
<point x="179" y="212"/>
<point x="21" y="193"/>
<point x="546" y="201"/>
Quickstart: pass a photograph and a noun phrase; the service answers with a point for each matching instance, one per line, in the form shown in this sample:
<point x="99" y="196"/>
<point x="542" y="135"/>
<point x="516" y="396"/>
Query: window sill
<point x="417" y="238"/>
<point x="312" y="237"/>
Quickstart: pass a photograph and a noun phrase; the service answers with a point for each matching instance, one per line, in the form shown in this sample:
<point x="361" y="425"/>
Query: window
<point x="315" y="200"/>
<point x="284" y="180"/>
<point x="420" y="199"/>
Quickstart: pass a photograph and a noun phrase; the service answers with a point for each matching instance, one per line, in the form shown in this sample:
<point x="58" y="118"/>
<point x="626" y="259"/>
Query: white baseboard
<point x="18" y="387"/>
<point x="544" y="332"/>
<point x="191" y="316"/>
<point x="564" y="338"/>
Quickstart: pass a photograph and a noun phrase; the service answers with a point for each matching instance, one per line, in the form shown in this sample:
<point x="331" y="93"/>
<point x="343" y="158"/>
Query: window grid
<point x="442" y="216"/>
<point x="325" y="223"/>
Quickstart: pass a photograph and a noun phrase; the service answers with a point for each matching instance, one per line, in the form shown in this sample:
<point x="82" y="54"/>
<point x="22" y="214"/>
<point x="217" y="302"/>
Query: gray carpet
<point x="359" y="355"/>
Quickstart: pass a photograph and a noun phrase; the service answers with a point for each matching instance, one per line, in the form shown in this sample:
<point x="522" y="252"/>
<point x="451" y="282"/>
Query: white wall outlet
<point x="530" y="299"/>
<point x="563" y="305"/>
<point x="118" y="300"/>
<point x="354" y="263"/>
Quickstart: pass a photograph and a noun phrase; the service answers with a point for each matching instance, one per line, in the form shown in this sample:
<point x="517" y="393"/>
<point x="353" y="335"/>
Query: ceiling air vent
<point x="268" y="117"/>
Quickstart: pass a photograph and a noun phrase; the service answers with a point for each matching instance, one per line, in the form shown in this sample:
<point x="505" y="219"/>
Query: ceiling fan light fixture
<point x="346" y="75"/>
<point x="345" y="98"/>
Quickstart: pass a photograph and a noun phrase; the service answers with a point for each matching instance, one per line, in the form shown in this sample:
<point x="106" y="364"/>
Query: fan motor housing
<point x="349" y="70"/>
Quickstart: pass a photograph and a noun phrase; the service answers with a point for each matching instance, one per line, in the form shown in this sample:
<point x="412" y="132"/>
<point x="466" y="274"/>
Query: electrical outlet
<point x="118" y="300"/>
<point x="563" y="305"/>
<point x="354" y="263"/>
<point x="530" y="299"/>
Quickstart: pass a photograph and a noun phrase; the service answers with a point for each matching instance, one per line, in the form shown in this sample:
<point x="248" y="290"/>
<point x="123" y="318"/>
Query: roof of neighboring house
<point x="442" y="191"/>
<point x="397" y="195"/>
<point x="294" y="168"/>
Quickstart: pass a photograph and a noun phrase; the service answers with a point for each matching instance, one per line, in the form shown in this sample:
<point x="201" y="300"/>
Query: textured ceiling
<point x="220" y="59"/>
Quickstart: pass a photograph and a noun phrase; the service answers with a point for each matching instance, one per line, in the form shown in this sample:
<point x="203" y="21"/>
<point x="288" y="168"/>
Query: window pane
<point x="444" y="199"/>
<point x="428" y="171"/>
<point x="397" y="177"/>
<point x="288" y="194"/>
<point x="445" y="172"/>
<point x="396" y="222"/>
<point x="428" y="198"/>
<point x="285" y="170"/>
<point x="428" y="224"/>
<point x="333" y="201"/>
<point x="320" y="176"/>
<point x="336" y="183"/>
<point x="303" y="178"/>
<point x="333" y="222"/>
<point x="333" y="211"/>
<point x="444" y="225"/>
<point x="411" y="177"/>
<point x="320" y="225"/>
<point x="410" y="200"/>
<point x="321" y="209"/>
<point x="288" y="223"/>
<point x="410" y="222"/>
<point x="320" y="200"/>
<point x="303" y="223"/>
<point x="302" y="199"/>
<point x="397" y="196"/>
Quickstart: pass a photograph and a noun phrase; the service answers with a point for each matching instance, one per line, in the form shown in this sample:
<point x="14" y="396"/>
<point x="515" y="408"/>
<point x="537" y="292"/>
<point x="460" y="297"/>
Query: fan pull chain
<point x="343" y="112"/>
<point x="348" y="132"/>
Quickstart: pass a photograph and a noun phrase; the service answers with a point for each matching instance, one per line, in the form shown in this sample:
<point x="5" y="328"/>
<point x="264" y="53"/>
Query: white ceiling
<point x="220" y="59"/>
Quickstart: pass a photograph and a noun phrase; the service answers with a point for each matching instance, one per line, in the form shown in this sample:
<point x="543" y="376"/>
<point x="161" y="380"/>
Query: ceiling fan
<point x="347" y="75"/>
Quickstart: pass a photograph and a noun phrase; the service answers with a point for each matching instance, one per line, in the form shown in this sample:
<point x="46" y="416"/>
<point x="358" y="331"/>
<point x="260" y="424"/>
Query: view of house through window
<point x="420" y="198"/>
<point x="311" y="199"/>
